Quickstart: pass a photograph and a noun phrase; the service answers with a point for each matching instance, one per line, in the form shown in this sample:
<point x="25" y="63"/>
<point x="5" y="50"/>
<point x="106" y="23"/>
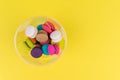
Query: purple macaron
<point x="36" y="52"/>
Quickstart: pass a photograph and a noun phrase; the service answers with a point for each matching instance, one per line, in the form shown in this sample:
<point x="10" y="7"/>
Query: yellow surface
<point x="93" y="30"/>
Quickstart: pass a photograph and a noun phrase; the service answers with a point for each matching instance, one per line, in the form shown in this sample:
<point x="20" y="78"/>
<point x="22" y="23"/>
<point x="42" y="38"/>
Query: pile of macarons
<point x="43" y="39"/>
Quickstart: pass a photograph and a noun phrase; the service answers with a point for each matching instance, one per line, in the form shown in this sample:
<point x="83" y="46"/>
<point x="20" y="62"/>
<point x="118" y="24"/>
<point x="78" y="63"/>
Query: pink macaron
<point x="51" y="49"/>
<point x="51" y="25"/>
<point x="48" y="27"/>
<point x="57" y="49"/>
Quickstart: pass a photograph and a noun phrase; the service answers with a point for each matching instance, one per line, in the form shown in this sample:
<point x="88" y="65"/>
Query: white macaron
<point x="57" y="40"/>
<point x="31" y="31"/>
<point x="56" y="36"/>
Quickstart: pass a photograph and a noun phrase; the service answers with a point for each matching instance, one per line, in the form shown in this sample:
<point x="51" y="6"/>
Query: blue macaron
<point x="39" y="27"/>
<point x="45" y="49"/>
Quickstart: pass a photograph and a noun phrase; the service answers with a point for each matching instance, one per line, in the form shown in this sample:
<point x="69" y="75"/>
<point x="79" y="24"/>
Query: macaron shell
<point x="31" y="31"/>
<point x="57" y="40"/>
<point x="47" y="42"/>
<point x="34" y="35"/>
<point x="33" y="40"/>
<point x="28" y="43"/>
<point x="51" y="25"/>
<point x="57" y="49"/>
<point x="51" y="49"/>
<point x="42" y="38"/>
<point x="39" y="27"/>
<point x="25" y="46"/>
<point x="55" y="34"/>
<point x="48" y="25"/>
<point x="36" y="52"/>
<point x="46" y="28"/>
<point x="45" y="49"/>
<point x="42" y="32"/>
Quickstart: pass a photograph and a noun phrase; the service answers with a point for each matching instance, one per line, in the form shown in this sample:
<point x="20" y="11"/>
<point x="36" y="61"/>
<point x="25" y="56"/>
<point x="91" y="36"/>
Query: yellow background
<point x="93" y="31"/>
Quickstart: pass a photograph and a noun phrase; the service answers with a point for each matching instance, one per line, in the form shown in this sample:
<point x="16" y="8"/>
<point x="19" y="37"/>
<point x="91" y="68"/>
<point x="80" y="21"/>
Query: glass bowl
<point x="24" y="53"/>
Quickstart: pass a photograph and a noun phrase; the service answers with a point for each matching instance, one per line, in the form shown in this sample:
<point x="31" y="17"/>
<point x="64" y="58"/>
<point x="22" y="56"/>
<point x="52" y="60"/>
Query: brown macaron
<point x="42" y="38"/>
<point x="42" y="32"/>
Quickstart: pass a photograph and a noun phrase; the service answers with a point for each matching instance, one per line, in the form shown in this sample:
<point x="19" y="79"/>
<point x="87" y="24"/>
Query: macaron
<point x="33" y="40"/>
<point x="46" y="28"/>
<point x="51" y="49"/>
<point x="28" y="43"/>
<point x="47" y="42"/>
<point x="57" y="49"/>
<point x="56" y="36"/>
<point x="25" y="46"/>
<point x="39" y="27"/>
<point x="42" y="38"/>
<point x="51" y="25"/>
<point x="45" y="49"/>
<point x="57" y="40"/>
<point x="42" y="32"/>
<point x="31" y="31"/>
<point x="36" y="52"/>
